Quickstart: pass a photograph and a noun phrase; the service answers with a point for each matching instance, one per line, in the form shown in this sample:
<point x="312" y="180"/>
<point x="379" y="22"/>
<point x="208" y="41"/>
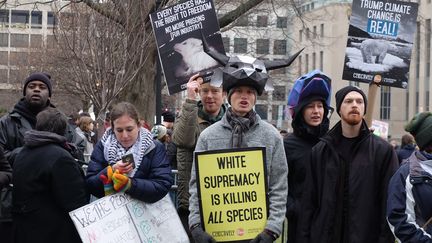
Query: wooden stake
<point x="373" y="88"/>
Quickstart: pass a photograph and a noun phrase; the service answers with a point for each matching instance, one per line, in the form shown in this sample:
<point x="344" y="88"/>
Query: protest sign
<point x="380" y="41"/>
<point x="380" y="128"/>
<point x="120" y="218"/>
<point x="177" y="30"/>
<point x="232" y="192"/>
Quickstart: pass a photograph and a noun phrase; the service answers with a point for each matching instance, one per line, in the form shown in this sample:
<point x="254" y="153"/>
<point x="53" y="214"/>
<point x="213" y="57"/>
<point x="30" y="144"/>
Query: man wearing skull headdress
<point x="245" y="78"/>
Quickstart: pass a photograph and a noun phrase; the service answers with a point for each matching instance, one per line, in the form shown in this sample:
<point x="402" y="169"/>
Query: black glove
<point x="200" y="236"/>
<point x="263" y="237"/>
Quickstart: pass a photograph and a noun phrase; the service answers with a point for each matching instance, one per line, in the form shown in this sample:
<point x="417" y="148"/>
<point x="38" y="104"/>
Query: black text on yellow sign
<point x="232" y="187"/>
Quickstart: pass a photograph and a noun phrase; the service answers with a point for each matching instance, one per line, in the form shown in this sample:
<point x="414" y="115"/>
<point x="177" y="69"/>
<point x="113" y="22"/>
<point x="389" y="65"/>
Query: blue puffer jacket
<point x="150" y="183"/>
<point x="410" y="199"/>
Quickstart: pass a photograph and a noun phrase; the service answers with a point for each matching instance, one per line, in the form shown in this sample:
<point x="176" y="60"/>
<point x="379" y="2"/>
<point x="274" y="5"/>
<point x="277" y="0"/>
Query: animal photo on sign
<point x="194" y="59"/>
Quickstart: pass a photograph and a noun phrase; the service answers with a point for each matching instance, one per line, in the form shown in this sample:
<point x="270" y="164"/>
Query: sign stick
<point x="373" y="88"/>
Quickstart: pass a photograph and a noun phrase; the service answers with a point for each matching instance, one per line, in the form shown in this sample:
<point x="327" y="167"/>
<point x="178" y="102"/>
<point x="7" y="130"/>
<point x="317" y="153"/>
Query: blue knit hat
<point x="39" y="76"/>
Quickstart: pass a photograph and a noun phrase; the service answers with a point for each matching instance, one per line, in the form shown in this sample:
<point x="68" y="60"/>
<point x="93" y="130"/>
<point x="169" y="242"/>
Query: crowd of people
<point x="337" y="185"/>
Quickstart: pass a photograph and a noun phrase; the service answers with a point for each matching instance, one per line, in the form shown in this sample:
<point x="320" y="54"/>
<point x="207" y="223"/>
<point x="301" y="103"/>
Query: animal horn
<point x="275" y="64"/>
<point x="219" y="57"/>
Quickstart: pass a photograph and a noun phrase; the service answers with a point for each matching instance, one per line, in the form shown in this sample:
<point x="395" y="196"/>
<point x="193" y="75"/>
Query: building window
<point x="240" y="45"/>
<point x="307" y="63"/>
<point x="36" y="20"/>
<point x="4" y="39"/>
<point x="417" y="74"/>
<point x="281" y="22"/>
<point x="280" y="47"/>
<point x="19" y="40"/>
<point x="321" y="61"/>
<point x="261" y="110"/>
<point x="51" y="21"/>
<point x="242" y="21"/>
<point x="322" y="30"/>
<point x="226" y="43"/>
<point x="279" y="93"/>
<point x="385" y="103"/>
<point x="4" y="59"/>
<point x="307" y="34"/>
<point x="262" y="46"/>
<point x="36" y="41"/>
<point x="314" y="61"/>
<point x="262" y="21"/>
<point x="4" y="18"/>
<point x="51" y="41"/>
<point x="20" y="19"/>
<point x="300" y="35"/>
<point x="18" y="58"/>
<point x="314" y="32"/>
<point x="300" y="64"/>
<point x="4" y="75"/>
<point x="428" y="37"/>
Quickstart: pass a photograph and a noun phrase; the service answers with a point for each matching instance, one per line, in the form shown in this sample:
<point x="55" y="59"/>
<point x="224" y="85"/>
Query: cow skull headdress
<point x="244" y="70"/>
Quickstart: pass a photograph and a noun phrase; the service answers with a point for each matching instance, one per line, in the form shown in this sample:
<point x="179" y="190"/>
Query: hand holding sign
<point x="193" y="86"/>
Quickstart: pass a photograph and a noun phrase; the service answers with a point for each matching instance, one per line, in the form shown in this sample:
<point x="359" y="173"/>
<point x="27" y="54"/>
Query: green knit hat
<point x="420" y="127"/>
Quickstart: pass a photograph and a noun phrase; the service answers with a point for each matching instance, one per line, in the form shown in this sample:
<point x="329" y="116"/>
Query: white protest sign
<point x="120" y="218"/>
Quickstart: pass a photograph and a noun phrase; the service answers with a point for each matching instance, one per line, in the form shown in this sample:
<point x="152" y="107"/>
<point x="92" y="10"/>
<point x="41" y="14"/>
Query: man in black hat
<point x="37" y="93"/>
<point x="344" y="196"/>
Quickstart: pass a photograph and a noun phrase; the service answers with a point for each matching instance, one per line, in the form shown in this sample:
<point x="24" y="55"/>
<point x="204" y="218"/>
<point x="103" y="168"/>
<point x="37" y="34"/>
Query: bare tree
<point x="106" y="50"/>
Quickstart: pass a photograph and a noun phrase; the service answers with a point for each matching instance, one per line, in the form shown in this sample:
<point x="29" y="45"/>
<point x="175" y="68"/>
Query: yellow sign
<point x="232" y="188"/>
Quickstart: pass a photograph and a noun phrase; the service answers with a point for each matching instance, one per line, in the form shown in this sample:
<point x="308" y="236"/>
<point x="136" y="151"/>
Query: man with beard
<point x="195" y="116"/>
<point x="37" y="95"/>
<point x="344" y="196"/>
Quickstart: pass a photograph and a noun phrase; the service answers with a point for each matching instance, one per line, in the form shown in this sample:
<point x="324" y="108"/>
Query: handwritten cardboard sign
<point x="120" y="218"/>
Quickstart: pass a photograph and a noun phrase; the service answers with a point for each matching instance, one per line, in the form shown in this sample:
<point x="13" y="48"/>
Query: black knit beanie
<point x="340" y="95"/>
<point x="420" y="127"/>
<point x="43" y="77"/>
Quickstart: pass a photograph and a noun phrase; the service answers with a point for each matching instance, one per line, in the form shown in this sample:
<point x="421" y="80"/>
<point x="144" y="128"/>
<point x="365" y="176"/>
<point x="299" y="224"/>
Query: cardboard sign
<point x="380" y="41"/>
<point x="119" y="218"/>
<point x="380" y="128"/>
<point x="232" y="191"/>
<point x="177" y="30"/>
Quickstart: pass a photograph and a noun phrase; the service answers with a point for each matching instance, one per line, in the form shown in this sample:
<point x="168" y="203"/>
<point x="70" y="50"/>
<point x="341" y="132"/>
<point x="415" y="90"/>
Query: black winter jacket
<point x="347" y="196"/>
<point x="12" y="129"/>
<point x="48" y="184"/>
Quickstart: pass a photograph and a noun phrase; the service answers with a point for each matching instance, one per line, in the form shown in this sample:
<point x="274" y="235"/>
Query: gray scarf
<point x="240" y="125"/>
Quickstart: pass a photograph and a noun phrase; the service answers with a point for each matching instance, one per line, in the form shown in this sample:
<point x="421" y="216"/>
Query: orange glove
<point x="107" y="181"/>
<point x="121" y="182"/>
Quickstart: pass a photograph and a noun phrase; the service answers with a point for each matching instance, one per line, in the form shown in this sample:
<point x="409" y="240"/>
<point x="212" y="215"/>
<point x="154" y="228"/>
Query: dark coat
<point x="13" y="127"/>
<point x="297" y="149"/>
<point x="405" y="152"/>
<point x="150" y="183"/>
<point x="48" y="184"/>
<point x="410" y="200"/>
<point x="358" y="190"/>
<point x="5" y="170"/>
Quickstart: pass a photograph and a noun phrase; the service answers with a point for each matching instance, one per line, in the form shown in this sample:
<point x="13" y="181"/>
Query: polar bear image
<point x="375" y="48"/>
<point x="194" y="58"/>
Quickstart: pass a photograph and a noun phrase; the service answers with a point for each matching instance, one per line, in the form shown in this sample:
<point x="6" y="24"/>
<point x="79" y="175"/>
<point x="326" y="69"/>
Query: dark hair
<point x="124" y="108"/>
<point x="51" y="120"/>
<point x="407" y="139"/>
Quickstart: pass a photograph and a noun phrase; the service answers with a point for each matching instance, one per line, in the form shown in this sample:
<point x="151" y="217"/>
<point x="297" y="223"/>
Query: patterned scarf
<point x="240" y="125"/>
<point x="114" y="151"/>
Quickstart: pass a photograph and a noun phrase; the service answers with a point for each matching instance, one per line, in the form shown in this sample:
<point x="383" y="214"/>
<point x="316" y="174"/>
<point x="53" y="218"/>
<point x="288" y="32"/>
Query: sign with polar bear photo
<point x="381" y="35"/>
<point x="177" y="30"/>
<point x="232" y="192"/>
